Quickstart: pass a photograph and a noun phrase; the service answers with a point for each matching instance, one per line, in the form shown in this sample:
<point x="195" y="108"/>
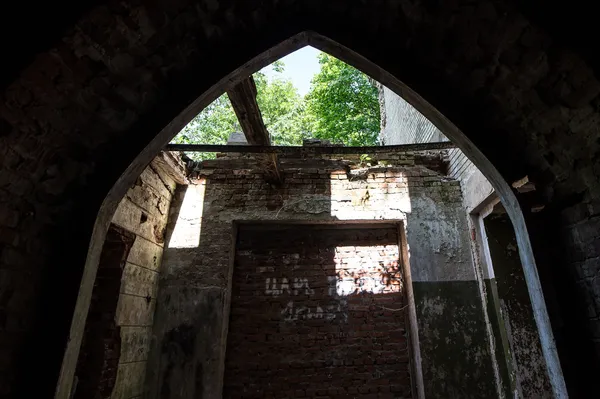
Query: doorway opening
<point x="99" y="358"/>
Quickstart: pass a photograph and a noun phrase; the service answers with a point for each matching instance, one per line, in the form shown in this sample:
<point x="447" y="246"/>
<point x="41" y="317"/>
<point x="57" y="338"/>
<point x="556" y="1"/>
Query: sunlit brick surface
<point x="317" y="311"/>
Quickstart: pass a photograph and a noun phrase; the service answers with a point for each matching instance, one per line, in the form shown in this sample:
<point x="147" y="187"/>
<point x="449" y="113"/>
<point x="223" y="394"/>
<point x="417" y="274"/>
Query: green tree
<point x="342" y="104"/>
<point x="282" y="109"/>
<point x="211" y="126"/>
<point x="281" y="106"/>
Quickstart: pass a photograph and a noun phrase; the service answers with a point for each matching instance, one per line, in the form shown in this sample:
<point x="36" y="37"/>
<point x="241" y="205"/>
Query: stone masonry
<point x="128" y="309"/>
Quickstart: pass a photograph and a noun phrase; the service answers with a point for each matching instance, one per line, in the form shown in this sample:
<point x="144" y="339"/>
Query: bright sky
<point x="300" y="67"/>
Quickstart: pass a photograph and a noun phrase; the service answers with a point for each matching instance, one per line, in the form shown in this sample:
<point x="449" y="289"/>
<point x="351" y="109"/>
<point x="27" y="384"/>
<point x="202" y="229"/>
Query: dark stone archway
<point x="80" y="114"/>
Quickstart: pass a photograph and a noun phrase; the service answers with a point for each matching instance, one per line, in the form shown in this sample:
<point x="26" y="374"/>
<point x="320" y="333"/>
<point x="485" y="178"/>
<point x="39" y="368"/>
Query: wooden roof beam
<point x="243" y="100"/>
<point x="310" y="150"/>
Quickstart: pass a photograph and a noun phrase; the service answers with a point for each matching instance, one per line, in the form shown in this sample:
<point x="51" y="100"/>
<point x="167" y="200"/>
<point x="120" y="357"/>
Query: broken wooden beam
<point x="245" y="106"/>
<point x="309" y="150"/>
<point x="171" y="165"/>
<point x="243" y="100"/>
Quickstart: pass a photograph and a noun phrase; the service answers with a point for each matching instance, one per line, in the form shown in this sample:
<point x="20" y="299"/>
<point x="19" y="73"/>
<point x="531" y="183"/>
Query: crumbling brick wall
<point x="405" y="125"/>
<point x="317" y="310"/>
<point x="188" y="357"/>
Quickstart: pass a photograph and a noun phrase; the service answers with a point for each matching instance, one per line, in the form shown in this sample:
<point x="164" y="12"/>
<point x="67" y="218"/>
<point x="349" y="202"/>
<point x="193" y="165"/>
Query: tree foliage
<point x="211" y="126"/>
<point x="282" y="109"/>
<point x="281" y="106"/>
<point x="343" y="104"/>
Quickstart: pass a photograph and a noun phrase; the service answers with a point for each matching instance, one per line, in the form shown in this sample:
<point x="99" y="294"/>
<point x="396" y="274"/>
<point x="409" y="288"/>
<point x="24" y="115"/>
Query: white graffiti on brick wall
<point x="298" y="286"/>
<point x="329" y="312"/>
<point x="338" y="286"/>
<point x="344" y="286"/>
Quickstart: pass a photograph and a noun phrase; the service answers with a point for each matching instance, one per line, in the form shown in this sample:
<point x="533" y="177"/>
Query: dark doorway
<point x="98" y="361"/>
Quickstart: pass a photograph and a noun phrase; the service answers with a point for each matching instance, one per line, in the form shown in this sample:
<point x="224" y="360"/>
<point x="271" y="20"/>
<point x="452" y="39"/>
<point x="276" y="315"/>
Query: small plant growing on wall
<point x="365" y="160"/>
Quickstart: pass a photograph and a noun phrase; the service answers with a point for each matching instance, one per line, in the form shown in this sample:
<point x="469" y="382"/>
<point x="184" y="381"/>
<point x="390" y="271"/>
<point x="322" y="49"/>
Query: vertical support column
<point x="416" y="368"/>
<point x="489" y="291"/>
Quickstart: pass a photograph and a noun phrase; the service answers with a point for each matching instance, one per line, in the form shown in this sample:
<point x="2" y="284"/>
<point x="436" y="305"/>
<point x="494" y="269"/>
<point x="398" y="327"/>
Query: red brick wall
<point x="317" y="311"/>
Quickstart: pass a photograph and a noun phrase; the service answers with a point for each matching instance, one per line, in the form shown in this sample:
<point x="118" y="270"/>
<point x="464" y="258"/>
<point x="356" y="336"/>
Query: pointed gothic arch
<point x="310" y="38"/>
<point x="94" y="101"/>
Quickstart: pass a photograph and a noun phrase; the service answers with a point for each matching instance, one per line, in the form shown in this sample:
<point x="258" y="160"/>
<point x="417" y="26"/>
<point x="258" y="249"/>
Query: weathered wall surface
<point x="516" y="339"/>
<point x="316" y="310"/>
<point x="405" y="125"/>
<point x="444" y="283"/>
<point x="188" y="354"/>
<point x="530" y="374"/>
<point x="143" y="213"/>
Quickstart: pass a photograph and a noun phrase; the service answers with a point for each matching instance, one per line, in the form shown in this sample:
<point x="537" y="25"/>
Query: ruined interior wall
<point x="188" y="355"/>
<point x="444" y="283"/>
<point x="143" y="212"/>
<point x="405" y="125"/>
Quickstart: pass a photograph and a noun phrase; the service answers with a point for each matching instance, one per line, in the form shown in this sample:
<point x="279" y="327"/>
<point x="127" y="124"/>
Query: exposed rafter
<point x="171" y="165"/>
<point x="309" y="150"/>
<point x="243" y="100"/>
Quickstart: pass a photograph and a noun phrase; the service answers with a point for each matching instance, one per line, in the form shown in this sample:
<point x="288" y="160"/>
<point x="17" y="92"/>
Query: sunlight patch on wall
<point x="369" y="194"/>
<point x="186" y="233"/>
<point x="366" y="269"/>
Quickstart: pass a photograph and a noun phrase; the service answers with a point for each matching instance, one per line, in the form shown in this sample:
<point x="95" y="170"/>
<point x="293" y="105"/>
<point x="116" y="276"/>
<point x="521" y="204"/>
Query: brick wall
<point x="188" y="356"/>
<point x="405" y="125"/>
<point x="317" y="311"/>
